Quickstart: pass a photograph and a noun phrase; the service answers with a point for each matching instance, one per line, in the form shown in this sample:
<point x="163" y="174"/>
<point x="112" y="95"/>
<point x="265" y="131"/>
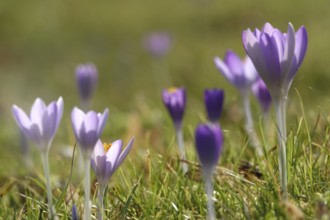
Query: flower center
<point x="106" y="146"/>
<point x="172" y="90"/>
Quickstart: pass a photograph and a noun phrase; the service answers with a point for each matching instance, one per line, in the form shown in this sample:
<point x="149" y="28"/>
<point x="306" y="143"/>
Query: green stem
<point x="207" y="173"/>
<point x="179" y="136"/>
<point x="51" y="209"/>
<point x="100" y="209"/>
<point x="280" y="105"/>
<point x="87" y="165"/>
<point x="249" y="126"/>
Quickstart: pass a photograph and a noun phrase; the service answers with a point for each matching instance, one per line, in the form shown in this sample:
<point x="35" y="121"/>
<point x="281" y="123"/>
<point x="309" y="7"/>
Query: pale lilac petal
<point x="268" y="28"/>
<point x="234" y="63"/>
<point x="112" y="156"/>
<point x="22" y="119"/>
<point x="77" y="118"/>
<point x="289" y="49"/>
<point x="223" y="68"/>
<point x="125" y="152"/>
<point x="59" y="105"/>
<point x="250" y="71"/>
<point x="278" y="37"/>
<point x="37" y="111"/>
<point x="253" y="50"/>
<point x="91" y="120"/>
<point x="98" y="149"/>
<point x="269" y="50"/>
<point x="301" y="45"/>
<point x="102" y="121"/>
<point x="49" y="120"/>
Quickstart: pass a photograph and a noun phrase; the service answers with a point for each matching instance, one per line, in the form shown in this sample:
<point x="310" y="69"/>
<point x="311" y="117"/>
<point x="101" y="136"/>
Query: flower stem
<point x="280" y="106"/>
<point x="179" y="136"/>
<point x="207" y="172"/>
<point x="249" y="127"/>
<point x="100" y="208"/>
<point x="87" y="189"/>
<point x="51" y="209"/>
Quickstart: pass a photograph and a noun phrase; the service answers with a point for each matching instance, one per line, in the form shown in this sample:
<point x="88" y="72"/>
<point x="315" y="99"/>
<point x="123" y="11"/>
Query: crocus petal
<point x="289" y="49"/>
<point x="91" y="120"/>
<point x="22" y="120"/>
<point x="102" y="121"/>
<point x="223" y="68"/>
<point x="59" y="105"/>
<point x="301" y="45"/>
<point x="37" y="112"/>
<point x="77" y="118"/>
<point x="269" y="50"/>
<point x="113" y="155"/>
<point x="49" y="122"/>
<point x="253" y="50"/>
<point x="234" y="63"/>
<point x="124" y="154"/>
<point x="268" y="28"/>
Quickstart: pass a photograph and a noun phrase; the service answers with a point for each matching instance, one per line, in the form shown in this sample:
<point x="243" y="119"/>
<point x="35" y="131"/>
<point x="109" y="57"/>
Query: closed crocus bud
<point x="213" y="102"/>
<point x="74" y="212"/>
<point x="262" y="93"/>
<point x="175" y="101"/>
<point x="208" y="142"/>
<point x="86" y="77"/>
<point x="158" y="43"/>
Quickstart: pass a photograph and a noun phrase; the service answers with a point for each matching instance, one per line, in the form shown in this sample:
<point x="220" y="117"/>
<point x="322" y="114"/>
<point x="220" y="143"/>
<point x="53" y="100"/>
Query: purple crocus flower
<point x="277" y="56"/>
<point x="175" y="101"/>
<point x="158" y="43"/>
<point x="213" y="101"/>
<point x="40" y="127"/>
<point x="208" y="141"/>
<point x="86" y="77"/>
<point x="262" y="93"/>
<point x="107" y="158"/>
<point x="241" y="73"/>
<point x="87" y="128"/>
<point x="74" y="213"/>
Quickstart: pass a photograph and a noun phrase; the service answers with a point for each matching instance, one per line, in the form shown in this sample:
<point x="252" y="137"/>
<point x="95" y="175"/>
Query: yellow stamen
<point x="172" y="90"/>
<point x="106" y="146"/>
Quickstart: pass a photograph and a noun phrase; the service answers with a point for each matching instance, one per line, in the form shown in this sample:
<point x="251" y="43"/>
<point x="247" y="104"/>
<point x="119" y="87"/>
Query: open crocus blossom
<point x="261" y="92"/>
<point x="213" y="99"/>
<point x="240" y="73"/>
<point x="86" y="77"/>
<point x="175" y="101"/>
<point x="40" y="127"/>
<point x="208" y="142"/>
<point x="87" y="128"/>
<point x="107" y="158"/>
<point x="105" y="161"/>
<point x="277" y="56"/>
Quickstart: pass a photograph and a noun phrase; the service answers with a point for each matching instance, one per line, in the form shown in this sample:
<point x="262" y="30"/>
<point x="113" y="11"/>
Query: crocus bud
<point x="213" y="102"/>
<point x="262" y="93"/>
<point x="74" y="212"/>
<point x="158" y="43"/>
<point x="86" y="76"/>
<point x="208" y="142"/>
<point x="175" y="101"/>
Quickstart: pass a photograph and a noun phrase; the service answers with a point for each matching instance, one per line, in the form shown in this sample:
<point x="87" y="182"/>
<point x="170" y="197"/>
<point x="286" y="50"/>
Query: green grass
<point x="42" y="42"/>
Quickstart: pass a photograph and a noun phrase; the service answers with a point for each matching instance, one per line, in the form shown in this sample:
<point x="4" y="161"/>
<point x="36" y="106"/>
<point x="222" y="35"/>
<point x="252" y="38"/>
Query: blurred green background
<point x="41" y="42"/>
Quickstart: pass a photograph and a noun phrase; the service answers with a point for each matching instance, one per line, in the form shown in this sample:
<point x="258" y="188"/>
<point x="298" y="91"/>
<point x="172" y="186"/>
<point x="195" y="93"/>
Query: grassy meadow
<point x="41" y="42"/>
